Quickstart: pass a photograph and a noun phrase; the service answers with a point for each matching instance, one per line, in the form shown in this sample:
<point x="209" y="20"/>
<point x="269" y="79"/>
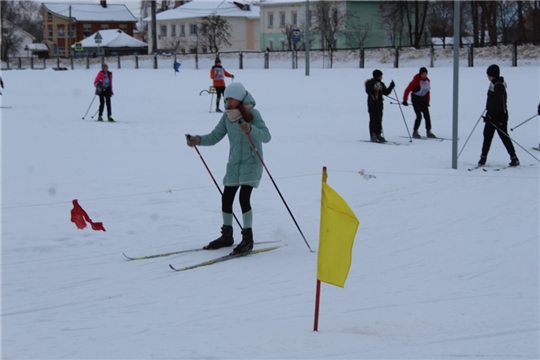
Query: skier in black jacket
<point x="375" y="89"/>
<point x="496" y="118"/>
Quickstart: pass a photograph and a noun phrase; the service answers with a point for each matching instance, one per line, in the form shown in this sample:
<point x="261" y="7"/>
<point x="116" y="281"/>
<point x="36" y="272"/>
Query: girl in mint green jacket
<point x="244" y="168"/>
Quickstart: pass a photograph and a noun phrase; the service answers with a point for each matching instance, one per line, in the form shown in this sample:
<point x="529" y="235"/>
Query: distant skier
<point x="244" y="168"/>
<point x="103" y="83"/>
<point x="375" y="90"/>
<point x="496" y="118"/>
<point x="218" y="74"/>
<point x="420" y="87"/>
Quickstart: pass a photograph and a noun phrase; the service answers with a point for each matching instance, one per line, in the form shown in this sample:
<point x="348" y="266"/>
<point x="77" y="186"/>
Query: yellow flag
<point x="338" y="229"/>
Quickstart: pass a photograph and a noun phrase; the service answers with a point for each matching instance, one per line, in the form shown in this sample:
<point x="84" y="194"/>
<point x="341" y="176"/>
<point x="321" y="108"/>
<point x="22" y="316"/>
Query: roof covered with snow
<point x="91" y="12"/>
<point x="113" y="38"/>
<point x="201" y="8"/>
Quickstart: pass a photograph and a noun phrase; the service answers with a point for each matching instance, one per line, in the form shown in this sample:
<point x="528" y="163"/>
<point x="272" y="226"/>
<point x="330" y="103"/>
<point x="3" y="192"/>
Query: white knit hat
<point x="235" y="91"/>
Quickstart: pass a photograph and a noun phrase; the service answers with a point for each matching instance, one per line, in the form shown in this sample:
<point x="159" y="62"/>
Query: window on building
<point x="335" y="16"/>
<point x="282" y="45"/>
<point x="49" y="16"/>
<point x="61" y="32"/>
<point x="281" y="19"/>
<point x="173" y="30"/>
<point x="193" y="50"/>
<point x="87" y="30"/>
<point x="183" y="50"/>
<point x="61" y="51"/>
<point x="50" y="32"/>
<point x="294" y="16"/>
<point x="71" y="32"/>
<point x="271" y="44"/>
<point x="183" y="30"/>
<point x="193" y="29"/>
<point x="123" y="28"/>
<point x="104" y="26"/>
<point x="270" y="20"/>
<point x="163" y="30"/>
<point x="204" y="51"/>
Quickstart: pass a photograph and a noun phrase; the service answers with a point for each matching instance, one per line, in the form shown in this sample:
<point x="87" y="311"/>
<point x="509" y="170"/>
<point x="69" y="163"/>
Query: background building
<point x="67" y="23"/>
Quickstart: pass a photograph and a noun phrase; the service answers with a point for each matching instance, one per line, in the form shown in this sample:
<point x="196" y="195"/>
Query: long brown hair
<point x="245" y="113"/>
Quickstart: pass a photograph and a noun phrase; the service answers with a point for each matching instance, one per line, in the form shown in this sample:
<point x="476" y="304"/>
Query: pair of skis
<point x="209" y="262"/>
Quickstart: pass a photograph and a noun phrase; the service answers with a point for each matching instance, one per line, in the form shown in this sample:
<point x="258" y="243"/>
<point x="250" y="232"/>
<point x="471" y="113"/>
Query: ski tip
<point x="128" y="257"/>
<point x="173" y="268"/>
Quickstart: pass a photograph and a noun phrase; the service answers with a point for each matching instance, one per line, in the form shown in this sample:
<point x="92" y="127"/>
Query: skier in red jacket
<point x="420" y="87"/>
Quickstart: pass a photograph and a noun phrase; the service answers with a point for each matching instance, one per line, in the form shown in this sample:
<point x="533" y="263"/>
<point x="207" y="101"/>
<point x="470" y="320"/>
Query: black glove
<point x="405" y="103"/>
<point x="428" y="105"/>
<point x="392" y="84"/>
<point x="538" y="107"/>
<point x="486" y="118"/>
<point x="232" y="76"/>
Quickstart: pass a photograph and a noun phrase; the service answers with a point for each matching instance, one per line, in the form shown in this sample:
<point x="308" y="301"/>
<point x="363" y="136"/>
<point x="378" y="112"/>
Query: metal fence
<point x="510" y="54"/>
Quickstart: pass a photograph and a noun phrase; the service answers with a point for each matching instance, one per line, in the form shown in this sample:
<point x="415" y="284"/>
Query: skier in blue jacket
<point x="244" y="168"/>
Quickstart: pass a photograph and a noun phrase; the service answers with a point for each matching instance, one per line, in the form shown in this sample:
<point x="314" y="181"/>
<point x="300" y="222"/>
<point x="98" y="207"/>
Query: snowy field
<point x="445" y="262"/>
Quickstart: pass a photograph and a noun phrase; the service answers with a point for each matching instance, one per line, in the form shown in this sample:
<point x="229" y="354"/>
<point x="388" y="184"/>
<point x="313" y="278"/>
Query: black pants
<point x="228" y="197"/>
<point x="375" y="119"/>
<point x="420" y="107"/>
<point x="220" y="91"/>
<point x="489" y="131"/>
<point x="105" y="96"/>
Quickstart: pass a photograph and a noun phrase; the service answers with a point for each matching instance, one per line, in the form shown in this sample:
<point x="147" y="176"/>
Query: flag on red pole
<point x="79" y="217"/>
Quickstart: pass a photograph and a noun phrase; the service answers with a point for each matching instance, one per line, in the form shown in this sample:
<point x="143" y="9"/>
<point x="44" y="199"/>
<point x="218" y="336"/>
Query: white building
<point x="177" y="28"/>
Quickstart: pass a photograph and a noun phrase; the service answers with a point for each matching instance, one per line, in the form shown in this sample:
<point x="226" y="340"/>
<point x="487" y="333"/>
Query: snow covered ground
<point x="445" y="262"/>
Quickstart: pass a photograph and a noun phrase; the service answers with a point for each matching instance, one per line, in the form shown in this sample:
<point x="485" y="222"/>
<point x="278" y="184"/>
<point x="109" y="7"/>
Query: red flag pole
<point x="317" y="301"/>
<point x="318" y="290"/>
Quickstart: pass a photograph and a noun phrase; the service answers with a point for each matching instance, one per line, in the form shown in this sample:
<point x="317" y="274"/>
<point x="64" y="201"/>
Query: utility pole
<point x="307" y="42"/>
<point x="154" y="27"/>
<point x="68" y="33"/>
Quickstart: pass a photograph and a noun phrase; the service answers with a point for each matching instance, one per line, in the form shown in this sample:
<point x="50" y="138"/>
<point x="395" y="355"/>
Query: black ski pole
<point x="212" y="176"/>
<point x="529" y="119"/>
<point x="514" y="141"/>
<point x="279" y="192"/>
<point x="471" y="133"/>
<point x="95" y="114"/>
<point x="400" y="109"/>
<point x="86" y="113"/>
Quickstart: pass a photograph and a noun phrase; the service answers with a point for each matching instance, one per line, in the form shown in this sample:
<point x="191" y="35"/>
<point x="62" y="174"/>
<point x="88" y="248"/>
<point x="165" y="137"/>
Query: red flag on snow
<point x="80" y="218"/>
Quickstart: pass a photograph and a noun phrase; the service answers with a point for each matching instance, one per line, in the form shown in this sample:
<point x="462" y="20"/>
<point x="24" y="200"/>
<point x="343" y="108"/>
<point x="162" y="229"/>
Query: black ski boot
<point x="374" y="138"/>
<point x="514" y="161"/>
<point x="246" y="245"/>
<point x="226" y="239"/>
<point x="218" y="110"/>
<point x="416" y="135"/>
<point x="482" y="161"/>
<point x="381" y="139"/>
<point x="429" y="134"/>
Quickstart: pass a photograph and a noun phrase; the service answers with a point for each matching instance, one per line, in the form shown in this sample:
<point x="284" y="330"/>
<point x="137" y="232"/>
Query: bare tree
<point x="11" y="42"/>
<point x="441" y="20"/>
<point x="358" y="33"/>
<point x="393" y="14"/>
<point x="329" y="20"/>
<point x="24" y="15"/>
<point x="214" y="33"/>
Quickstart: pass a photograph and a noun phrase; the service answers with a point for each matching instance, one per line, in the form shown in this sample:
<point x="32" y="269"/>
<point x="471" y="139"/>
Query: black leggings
<point x="105" y="97"/>
<point x="228" y="198"/>
<point x="220" y="90"/>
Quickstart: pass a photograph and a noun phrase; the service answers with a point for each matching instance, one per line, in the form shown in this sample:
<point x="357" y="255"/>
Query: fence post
<point x="20" y="63"/>
<point x="432" y="63"/>
<point x="240" y="60"/>
<point x="71" y="62"/>
<point x="514" y="54"/>
<point x="266" y="60"/>
<point x="362" y="58"/>
<point x="7" y="62"/>
<point x="396" y="60"/>
<point x="136" y="61"/>
<point x="197" y="59"/>
<point x="470" y="55"/>
<point x="44" y="63"/>
<point x="119" y="62"/>
<point x="155" y="61"/>
<point x="31" y="62"/>
<point x="87" y="62"/>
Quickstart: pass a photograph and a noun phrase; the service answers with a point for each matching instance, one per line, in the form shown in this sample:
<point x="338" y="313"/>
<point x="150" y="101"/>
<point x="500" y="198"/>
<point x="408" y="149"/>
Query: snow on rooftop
<point x="114" y="38"/>
<point x="91" y="12"/>
<point x="201" y="8"/>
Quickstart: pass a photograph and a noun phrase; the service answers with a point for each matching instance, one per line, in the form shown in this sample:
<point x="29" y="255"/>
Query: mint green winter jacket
<point x="244" y="166"/>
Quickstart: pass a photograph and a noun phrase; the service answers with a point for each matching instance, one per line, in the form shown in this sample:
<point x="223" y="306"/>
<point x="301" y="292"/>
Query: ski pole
<point x="89" y="107"/>
<point x="400" y="109"/>
<point x="471" y="133"/>
<point x="212" y="176"/>
<point x="532" y="117"/>
<point x="508" y="136"/>
<point x="279" y="192"/>
<point x="95" y="114"/>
